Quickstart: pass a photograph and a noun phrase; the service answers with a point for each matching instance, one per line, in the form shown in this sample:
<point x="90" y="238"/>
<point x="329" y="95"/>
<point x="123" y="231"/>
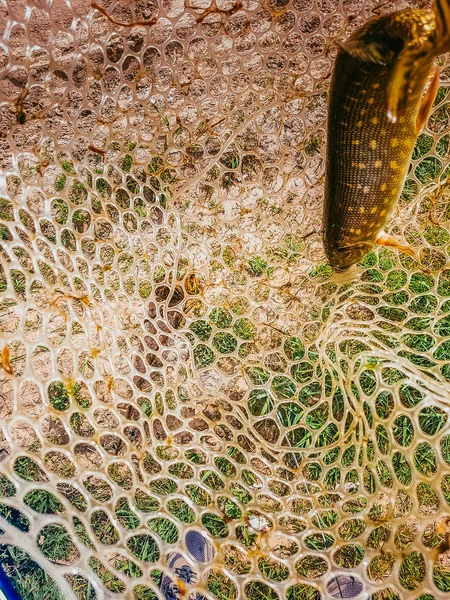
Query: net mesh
<point x="192" y="405"/>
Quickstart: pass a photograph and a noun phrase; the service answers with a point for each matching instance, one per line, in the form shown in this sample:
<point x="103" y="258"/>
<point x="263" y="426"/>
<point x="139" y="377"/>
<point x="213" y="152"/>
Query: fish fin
<point x="373" y="52"/>
<point x="428" y="101"/>
<point x="441" y="9"/>
<point x="383" y="239"/>
<point x="347" y="275"/>
<point x="402" y="78"/>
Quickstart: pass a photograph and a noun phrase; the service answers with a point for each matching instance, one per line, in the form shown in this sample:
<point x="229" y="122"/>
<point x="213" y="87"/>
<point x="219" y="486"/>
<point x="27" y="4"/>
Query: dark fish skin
<point x="368" y="154"/>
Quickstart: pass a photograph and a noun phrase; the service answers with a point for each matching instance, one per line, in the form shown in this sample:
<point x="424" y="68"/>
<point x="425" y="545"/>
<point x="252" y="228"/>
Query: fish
<point x="377" y="108"/>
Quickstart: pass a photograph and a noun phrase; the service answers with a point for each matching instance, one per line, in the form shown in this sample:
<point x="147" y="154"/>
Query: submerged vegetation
<point x="178" y="358"/>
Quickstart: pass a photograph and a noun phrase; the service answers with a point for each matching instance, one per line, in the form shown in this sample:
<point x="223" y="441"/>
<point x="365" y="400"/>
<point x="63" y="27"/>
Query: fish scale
<point x="368" y="151"/>
<point x="368" y="154"/>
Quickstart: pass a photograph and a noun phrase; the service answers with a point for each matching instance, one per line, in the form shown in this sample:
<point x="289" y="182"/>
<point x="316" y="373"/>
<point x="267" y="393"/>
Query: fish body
<point x="375" y="111"/>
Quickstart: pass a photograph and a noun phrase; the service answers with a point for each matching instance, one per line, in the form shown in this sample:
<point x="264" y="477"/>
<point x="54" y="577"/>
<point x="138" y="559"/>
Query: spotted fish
<point x="377" y="109"/>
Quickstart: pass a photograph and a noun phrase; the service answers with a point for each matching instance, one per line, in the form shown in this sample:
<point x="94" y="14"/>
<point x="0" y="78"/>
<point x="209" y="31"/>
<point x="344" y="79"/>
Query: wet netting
<point x="192" y="404"/>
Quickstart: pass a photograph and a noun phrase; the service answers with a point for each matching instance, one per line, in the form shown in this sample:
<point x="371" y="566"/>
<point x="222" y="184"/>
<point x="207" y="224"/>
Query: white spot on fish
<point x="391" y="117"/>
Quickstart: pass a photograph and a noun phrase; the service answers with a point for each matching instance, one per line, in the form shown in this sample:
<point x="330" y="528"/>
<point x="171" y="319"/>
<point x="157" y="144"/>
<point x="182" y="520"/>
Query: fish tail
<point x="441" y="9"/>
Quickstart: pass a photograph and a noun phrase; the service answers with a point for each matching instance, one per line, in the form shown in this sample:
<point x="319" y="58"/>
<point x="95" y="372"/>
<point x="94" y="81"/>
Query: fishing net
<point x="192" y="404"/>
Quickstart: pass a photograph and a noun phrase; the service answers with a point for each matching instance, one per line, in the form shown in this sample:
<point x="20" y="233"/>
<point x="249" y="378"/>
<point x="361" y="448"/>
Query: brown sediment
<point x="133" y="24"/>
<point x="214" y="9"/>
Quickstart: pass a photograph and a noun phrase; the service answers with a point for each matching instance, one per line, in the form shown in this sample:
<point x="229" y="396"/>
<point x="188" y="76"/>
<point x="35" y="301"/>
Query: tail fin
<point x="441" y="9"/>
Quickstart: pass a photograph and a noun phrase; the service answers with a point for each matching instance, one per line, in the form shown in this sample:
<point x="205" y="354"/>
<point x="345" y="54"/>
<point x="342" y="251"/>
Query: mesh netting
<point x="192" y="404"/>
